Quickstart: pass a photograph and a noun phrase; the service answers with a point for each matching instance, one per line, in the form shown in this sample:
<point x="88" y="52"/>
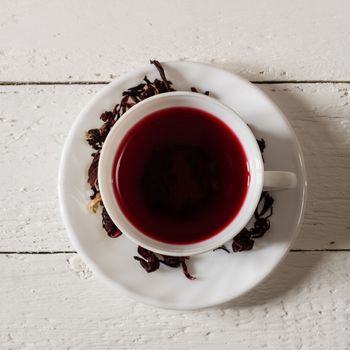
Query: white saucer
<point x="220" y="276"/>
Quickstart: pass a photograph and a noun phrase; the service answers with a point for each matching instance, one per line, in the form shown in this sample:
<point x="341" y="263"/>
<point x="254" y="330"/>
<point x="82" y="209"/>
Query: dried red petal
<point x="107" y="223"/>
<point x="261" y="144"/>
<point x="94" y="139"/>
<point x="149" y="260"/>
<point x="267" y="204"/>
<point x="166" y="82"/>
<point x="185" y="271"/>
<point x="171" y="261"/>
<point x="115" y="233"/>
<point x="222" y="248"/>
<point x="93" y="170"/>
<point x="242" y="241"/>
<point x="261" y="226"/>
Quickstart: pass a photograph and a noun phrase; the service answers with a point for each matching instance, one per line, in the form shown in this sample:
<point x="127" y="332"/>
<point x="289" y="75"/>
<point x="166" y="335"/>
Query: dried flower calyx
<point x="151" y="261"/>
<point x="245" y="239"/>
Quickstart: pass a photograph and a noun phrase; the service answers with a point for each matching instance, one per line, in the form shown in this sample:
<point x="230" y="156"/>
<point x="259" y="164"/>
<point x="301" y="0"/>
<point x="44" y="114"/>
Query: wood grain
<point x="320" y="115"/>
<point x="35" y="121"/>
<point x="62" y="40"/>
<point x="53" y="302"/>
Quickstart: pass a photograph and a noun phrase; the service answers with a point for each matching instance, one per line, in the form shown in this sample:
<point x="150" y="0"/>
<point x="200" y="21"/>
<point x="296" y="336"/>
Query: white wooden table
<point x="54" y="55"/>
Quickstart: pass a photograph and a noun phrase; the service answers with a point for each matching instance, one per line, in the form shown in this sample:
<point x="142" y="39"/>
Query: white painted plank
<point x="46" y="302"/>
<point x="86" y="40"/>
<point x="35" y="121"/>
<point x="34" y="124"/>
<point x="320" y="115"/>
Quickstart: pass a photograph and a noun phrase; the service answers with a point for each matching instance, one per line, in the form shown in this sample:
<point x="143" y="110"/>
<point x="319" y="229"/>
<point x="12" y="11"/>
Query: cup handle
<point x="279" y="180"/>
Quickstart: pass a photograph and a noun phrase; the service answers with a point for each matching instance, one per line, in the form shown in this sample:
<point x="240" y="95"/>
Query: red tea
<point x="180" y="175"/>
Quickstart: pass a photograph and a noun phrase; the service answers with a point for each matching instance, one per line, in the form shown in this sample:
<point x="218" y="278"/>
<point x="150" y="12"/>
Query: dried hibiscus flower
<point x="151" y="261"/>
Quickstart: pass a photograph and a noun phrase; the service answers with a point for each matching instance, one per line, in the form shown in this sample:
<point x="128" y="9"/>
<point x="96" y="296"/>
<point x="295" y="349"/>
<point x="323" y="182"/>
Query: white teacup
<point x="259" y="179"/>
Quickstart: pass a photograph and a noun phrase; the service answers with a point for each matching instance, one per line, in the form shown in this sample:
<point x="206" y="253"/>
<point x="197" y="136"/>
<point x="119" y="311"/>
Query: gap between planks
<point x="105" y="82"/>
<point x="74" y="252"/>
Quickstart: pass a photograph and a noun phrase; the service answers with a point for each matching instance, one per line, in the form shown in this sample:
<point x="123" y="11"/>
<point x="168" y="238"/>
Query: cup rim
<point x="132" y="117"/>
